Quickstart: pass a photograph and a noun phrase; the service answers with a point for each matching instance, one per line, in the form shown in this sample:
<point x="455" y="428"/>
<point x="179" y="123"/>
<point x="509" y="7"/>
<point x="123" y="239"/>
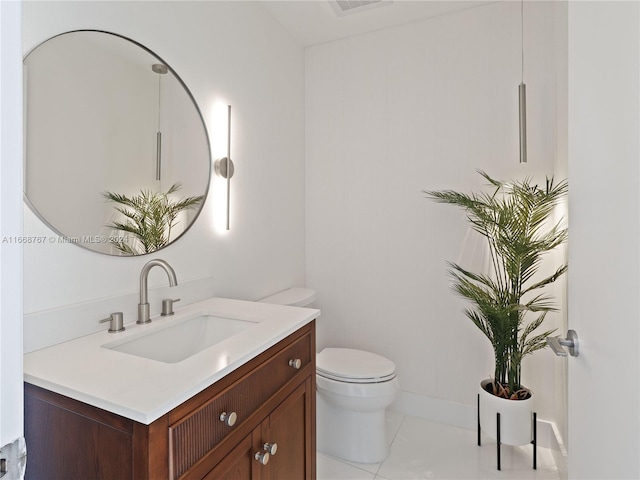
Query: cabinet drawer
<point x="196" y="434"/>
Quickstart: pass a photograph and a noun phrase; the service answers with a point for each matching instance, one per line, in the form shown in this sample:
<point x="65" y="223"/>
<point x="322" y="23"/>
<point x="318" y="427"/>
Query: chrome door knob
<point x="295" y="363"/>
<point x="229" y="418"/>
<point x="557" y="344"/>
<point x="262" y="457"/>
<point x="270" y="448"/>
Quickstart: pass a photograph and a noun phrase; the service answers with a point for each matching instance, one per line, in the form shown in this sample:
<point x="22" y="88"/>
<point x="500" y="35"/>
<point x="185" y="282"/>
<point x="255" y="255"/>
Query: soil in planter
<point x="500" y="390"/>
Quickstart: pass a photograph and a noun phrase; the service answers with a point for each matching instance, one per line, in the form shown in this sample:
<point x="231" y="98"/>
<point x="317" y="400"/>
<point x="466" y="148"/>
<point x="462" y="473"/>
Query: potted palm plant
<point x="509" y="303"/>
<point x="148" y="218"/>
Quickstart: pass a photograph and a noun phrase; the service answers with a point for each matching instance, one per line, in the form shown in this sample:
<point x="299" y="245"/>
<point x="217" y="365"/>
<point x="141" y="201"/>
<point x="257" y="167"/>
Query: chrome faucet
<point x="143" y="306"/>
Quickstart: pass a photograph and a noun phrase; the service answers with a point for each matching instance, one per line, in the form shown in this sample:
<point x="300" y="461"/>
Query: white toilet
<point x="354" y="388"/>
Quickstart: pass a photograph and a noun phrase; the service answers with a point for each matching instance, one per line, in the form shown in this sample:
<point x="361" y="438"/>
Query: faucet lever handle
<point x="167" y="306"/>
<point x="117" y="321"/>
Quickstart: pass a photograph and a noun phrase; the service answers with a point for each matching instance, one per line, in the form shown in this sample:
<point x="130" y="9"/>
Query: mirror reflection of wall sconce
<point x="224" y="166"/>
<point x="160" y="69"/>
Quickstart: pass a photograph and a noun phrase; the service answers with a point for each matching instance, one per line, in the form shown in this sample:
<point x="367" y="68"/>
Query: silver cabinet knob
<point x="262" y="457"/>
<point x="295" y="363"/>
<point x="270" y="448"/>
<point x="229" y="418"/>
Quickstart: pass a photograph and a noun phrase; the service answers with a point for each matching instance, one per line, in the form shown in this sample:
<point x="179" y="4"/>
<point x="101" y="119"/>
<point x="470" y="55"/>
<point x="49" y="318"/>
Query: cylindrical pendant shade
<point x="522" y="96"/>
<point x="158" y="155"/>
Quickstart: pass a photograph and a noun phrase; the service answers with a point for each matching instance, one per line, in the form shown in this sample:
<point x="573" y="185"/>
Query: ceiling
<point x="317" y="21"/>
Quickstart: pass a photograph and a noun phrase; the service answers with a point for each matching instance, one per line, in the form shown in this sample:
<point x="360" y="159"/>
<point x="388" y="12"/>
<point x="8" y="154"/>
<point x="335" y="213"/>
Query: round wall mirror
<point x="117" y="156"/>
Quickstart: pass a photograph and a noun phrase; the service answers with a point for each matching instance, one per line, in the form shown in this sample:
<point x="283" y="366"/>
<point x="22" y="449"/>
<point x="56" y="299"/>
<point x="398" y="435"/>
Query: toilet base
<point x="355" y="436"/>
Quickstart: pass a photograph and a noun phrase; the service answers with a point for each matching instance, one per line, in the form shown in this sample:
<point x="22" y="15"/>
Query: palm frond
<point x="149" y="218"/>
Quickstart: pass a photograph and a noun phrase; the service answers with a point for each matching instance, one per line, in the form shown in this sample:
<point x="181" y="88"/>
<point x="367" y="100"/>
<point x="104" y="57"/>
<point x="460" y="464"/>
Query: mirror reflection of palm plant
<point x="514" y="219"/>
<point x="150" y="216"/>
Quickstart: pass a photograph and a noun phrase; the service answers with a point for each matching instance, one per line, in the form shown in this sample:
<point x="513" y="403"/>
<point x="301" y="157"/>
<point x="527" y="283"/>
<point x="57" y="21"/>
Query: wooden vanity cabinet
<point x="272" y="396"/>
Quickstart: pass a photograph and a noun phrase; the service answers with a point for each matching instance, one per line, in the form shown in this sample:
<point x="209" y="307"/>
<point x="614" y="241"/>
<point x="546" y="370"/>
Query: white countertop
<point x="142" y="389"/>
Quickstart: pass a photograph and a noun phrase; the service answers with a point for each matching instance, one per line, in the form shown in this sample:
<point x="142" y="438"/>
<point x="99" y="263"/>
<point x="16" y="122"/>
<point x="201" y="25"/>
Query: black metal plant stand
<point x="534" y="442"/>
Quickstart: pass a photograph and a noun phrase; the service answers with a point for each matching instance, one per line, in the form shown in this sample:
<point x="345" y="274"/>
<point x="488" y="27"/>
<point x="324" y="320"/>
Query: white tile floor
<point x="421" y="449"/>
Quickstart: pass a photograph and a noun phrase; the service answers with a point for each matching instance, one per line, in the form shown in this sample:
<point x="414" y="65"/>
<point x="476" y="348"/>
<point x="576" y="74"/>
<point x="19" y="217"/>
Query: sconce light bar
<point x="224" y="166"/>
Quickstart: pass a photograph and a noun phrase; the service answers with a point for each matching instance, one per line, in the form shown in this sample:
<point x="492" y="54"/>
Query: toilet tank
<point x="293" y="297"/>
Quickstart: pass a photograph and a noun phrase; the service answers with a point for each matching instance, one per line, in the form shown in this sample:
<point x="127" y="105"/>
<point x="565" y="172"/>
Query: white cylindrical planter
<point x="516" y="417"/>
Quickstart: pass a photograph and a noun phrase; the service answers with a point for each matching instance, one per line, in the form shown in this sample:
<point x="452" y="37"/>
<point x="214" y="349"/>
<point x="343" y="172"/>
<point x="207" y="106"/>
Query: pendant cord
<point x="159" y="96"/>
<point x="522" y="38"/>
<point x="522" y="94"/>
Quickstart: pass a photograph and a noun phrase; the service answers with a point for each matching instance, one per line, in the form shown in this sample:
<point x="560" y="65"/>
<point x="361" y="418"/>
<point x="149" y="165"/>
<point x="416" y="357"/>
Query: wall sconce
<point x="224" y="166"/>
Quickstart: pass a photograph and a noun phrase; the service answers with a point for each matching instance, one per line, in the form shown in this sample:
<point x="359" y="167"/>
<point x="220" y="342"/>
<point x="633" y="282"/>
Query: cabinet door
<point x="63" y="443"/>
<point x="239" y="463"/>
<point x="290" y="427"/>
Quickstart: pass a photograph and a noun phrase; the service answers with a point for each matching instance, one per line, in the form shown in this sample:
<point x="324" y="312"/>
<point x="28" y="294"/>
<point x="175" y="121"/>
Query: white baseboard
<point x="465" y="416"/>
<point x="436" y="410"/>
<point x="559" y="451"/>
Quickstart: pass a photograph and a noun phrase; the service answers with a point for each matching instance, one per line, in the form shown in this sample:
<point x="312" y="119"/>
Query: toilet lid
<point x="354" y="366"/>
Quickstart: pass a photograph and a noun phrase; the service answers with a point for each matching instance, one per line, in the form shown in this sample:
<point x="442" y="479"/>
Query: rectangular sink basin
<point x="183" y="340"/>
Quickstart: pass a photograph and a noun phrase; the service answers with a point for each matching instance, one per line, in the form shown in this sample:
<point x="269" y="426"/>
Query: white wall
<point x="227" y="53"/>
<point x="398" y="111"/>
<point x="11" y="407"/>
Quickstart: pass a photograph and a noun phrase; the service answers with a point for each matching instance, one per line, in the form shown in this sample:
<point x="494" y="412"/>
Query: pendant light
<point x="522" y="93"/>
<point x="160" y="69"/>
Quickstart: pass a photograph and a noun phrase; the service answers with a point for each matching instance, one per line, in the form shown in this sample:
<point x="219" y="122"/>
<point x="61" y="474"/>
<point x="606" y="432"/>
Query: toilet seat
<point x="354" y="366"/>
